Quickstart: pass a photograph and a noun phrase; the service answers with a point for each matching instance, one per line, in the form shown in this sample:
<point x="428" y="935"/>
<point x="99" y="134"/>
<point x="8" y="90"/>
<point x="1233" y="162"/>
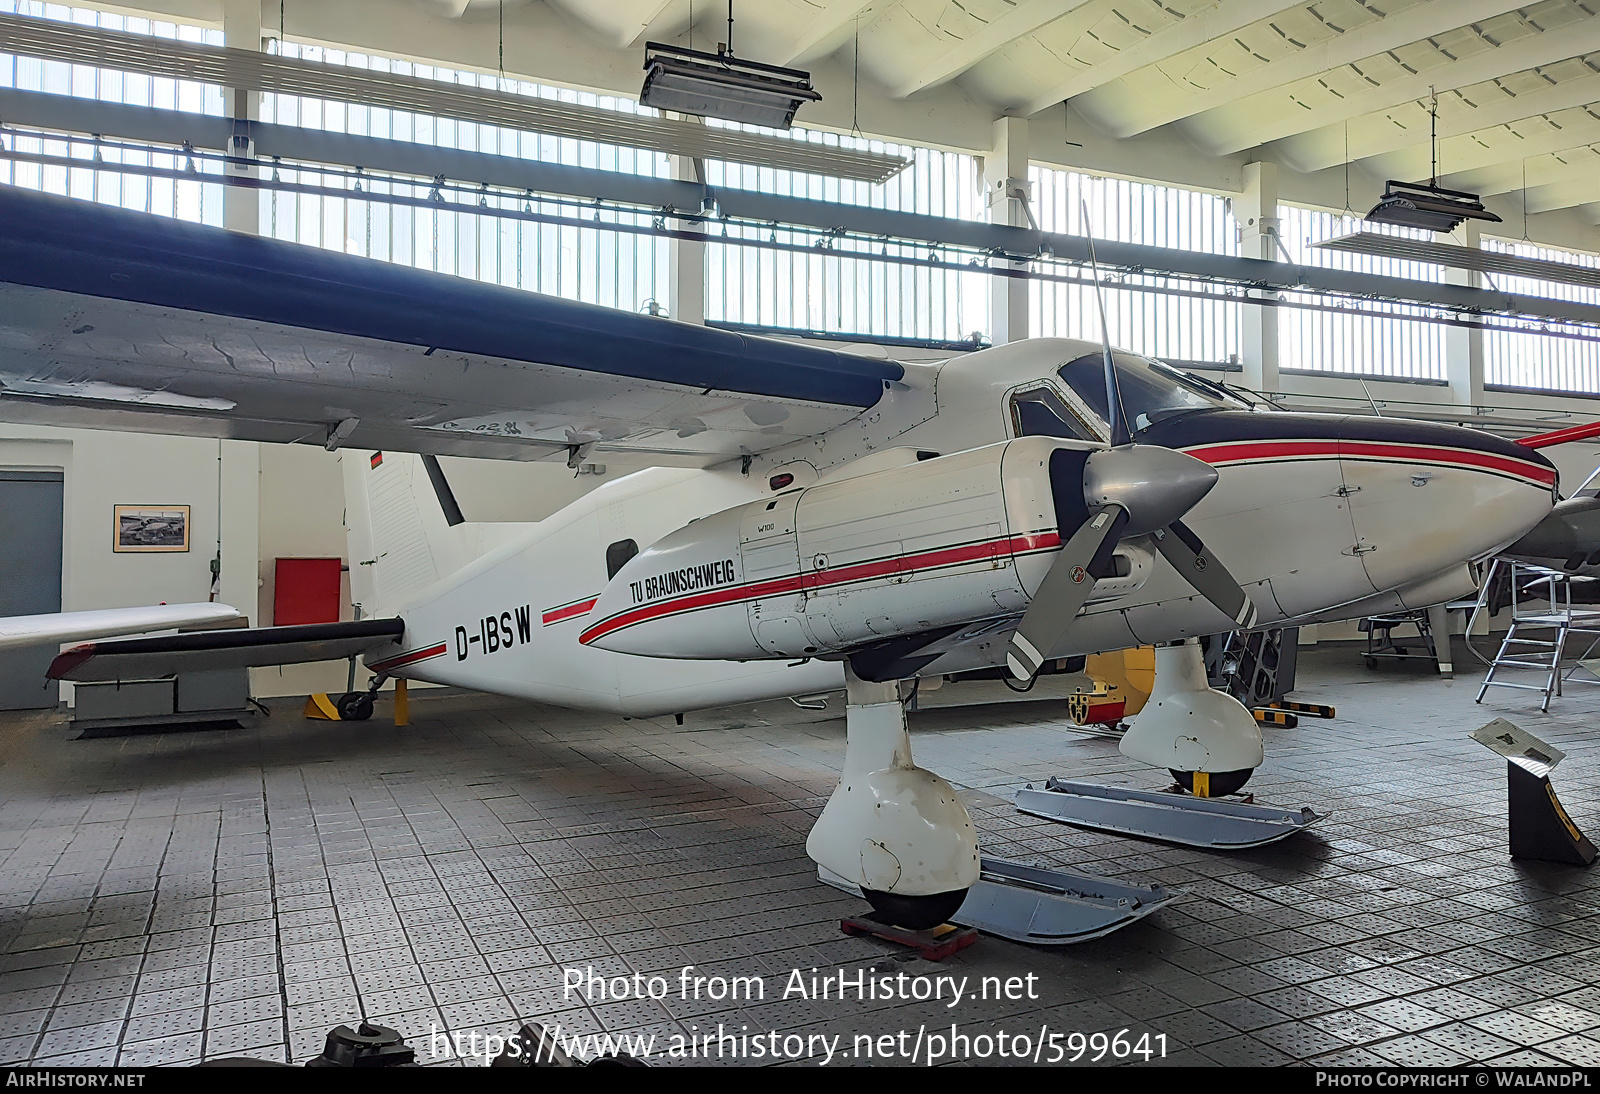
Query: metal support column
<point x="686" y="279"/>
<point x="1463" y="345"/>
<point x="241" y="205"/>
<point x="1005" y="179"/>
<point x="1256" y="210"/>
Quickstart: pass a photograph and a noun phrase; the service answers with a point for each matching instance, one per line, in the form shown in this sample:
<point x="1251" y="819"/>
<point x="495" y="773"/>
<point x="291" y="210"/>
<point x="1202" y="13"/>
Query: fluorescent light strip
<point x="1463" y="258"/>
<point x="69" y="43"/>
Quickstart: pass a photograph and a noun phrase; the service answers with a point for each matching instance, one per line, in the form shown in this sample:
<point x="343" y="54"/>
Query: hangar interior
<point x="188" y="895"/>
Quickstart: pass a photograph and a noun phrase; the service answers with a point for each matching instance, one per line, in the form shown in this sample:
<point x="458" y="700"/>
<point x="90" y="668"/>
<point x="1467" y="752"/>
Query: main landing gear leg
<point x="892" y="829"/>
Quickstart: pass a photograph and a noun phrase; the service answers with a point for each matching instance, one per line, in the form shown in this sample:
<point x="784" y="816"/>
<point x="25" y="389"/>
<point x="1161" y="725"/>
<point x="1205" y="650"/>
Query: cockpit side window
<point x="1040" y="412"/>
<point x="617" y="556"/>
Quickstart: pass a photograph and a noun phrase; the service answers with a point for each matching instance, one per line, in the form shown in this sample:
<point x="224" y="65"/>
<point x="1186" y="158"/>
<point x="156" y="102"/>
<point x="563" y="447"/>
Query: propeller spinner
<point x="1132" y="490"/>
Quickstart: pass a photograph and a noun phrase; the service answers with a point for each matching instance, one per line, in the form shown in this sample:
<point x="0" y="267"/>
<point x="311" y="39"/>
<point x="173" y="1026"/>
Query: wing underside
<point x="124" y="320"/>
<point x="207" y="651"/>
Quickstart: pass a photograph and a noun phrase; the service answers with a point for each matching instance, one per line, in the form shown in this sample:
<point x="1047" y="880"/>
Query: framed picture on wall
<point x="150" y="528"/>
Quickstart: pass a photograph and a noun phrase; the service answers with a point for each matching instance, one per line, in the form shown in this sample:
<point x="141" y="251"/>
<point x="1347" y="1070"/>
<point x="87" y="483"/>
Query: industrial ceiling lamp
<point x="1428" y="205"/>
<point x="719" y="85"/>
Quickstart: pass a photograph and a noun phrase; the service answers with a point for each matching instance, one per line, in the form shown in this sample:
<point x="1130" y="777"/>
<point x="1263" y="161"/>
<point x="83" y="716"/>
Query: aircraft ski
<point x="1213" y="823"/>
<point x="1044" y="907"/>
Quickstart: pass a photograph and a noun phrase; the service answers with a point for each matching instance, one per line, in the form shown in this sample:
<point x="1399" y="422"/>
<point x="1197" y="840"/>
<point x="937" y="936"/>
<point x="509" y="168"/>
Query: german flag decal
<point x="377" y="458"/>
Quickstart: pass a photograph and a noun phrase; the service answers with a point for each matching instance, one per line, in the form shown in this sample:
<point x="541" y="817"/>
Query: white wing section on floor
<point x="45" y="630"/>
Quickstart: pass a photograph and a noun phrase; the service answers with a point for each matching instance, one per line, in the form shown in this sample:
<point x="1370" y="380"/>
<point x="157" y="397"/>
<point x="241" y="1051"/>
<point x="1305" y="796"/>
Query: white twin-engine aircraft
<point x="818" y="519"/>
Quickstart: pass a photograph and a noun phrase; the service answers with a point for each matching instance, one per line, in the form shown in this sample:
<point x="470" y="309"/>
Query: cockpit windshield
<point x="1151" y="390"/>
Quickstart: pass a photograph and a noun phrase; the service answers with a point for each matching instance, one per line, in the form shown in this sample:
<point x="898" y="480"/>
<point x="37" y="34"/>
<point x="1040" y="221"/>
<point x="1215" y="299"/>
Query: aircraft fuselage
<point x="1319" y="517"/>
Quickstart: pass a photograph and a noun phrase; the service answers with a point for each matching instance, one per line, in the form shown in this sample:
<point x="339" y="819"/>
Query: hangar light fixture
<point x="720" y="85"/>
<point x="1428" y="205"/>
<point x="222" y="66"/>
<point x="1425" y="205"/>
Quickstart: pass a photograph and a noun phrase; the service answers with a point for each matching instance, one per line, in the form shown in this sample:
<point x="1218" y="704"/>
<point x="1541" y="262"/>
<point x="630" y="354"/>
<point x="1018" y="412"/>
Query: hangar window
<point x="1040" y="412"/>
<point x="1328" y="341"/>
<point x="617" y="556"/>
<point x="1144" y="314"/>
<point x="1527" y="359"/>
<point x="803" y="288"/>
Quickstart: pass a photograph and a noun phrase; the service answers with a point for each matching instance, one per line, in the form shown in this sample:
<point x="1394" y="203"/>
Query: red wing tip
<point x="68" y="660"/>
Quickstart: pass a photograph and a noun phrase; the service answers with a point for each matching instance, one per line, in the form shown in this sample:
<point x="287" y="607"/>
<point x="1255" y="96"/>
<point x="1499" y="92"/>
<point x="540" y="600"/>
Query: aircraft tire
<point x="917" y="913"/>
<point x="354" y="706"/>
<point x="1222" y="782"/>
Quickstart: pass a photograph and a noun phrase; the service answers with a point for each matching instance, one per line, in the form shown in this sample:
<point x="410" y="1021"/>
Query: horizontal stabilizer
<point x="204" y="651"/>
<point x="46" y="630"/>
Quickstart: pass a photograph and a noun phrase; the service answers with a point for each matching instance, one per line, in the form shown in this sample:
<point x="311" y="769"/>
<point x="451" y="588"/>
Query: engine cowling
<point x="851" y="562"/>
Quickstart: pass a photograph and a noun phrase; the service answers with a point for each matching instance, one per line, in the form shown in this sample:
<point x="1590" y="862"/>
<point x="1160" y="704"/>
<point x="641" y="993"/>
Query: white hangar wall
<point x="260" y="502"/>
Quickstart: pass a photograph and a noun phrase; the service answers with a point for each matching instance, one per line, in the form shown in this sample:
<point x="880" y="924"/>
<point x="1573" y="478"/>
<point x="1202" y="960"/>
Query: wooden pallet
<point x="933" y="944"/>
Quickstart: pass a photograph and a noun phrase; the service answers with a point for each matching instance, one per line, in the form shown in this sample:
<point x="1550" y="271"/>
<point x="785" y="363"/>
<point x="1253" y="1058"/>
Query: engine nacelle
<point x="851" y="562"/>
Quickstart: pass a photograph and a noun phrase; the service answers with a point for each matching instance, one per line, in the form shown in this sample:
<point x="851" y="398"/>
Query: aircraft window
<point x="617" y="556"/>
<point x="1041" y="413"/>
<point x="1151" y="390"/>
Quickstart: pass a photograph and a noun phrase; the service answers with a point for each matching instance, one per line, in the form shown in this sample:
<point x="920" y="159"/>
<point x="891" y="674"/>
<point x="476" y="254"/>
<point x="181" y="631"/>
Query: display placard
<point x="1519" y="746"/>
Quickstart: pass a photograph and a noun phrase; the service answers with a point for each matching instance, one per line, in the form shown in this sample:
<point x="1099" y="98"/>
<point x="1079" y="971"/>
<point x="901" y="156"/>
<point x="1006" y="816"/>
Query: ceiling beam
<point x="1564" y="194"/>
<point x="1580" y="163"/>
<point x="1411" y="25"/>
<point x="818" y="36"/>
<point x="1313" y="134"/>
<point x="1022" y="20"/>
<point x="1460" y="156"/>
<point x="634" y="36"/>
<point x="1217" y="21"/>
<point x="1407" y="123"/>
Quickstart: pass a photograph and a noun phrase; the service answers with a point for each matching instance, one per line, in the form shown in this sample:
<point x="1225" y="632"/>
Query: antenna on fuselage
<point x="1118" y="419"/>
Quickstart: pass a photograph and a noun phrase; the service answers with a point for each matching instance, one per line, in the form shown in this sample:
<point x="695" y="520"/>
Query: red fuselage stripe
<point x="1226" y="453"/>
<point x="844" y="575"/>
<point x="1251" y="451"/>
<point x="408" y="658"/>
<point x="569" y="611"/>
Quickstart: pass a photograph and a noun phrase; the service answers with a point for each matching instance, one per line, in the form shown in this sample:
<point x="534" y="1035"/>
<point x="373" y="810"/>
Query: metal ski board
<point x="1044" y="907"/>
<point x="1053" y="907"/>
<point x="1212" y="823"/>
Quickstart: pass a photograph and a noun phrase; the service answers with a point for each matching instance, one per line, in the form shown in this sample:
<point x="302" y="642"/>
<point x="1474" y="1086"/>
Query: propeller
<point x="1128" y="490"/>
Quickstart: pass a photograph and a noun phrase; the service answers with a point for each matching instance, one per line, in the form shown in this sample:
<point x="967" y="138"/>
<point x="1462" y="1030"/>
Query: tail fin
<point x="405" y="530"/>
<point x="396" y="530"/>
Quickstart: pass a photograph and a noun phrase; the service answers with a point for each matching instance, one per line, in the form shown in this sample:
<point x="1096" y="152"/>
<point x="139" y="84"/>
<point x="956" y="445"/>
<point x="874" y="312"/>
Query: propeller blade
<point x="1200" y="568"/>
<point x="1064" y="590"/>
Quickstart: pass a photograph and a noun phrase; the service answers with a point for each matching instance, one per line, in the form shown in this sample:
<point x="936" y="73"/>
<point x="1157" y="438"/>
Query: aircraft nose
<point x="1424" y="496"/>
<point x="1415" y="498"/>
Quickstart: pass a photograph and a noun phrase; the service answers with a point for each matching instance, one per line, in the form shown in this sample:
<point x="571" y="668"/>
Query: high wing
<point x="126" y="320"/>
<point x="46" y="630"/>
